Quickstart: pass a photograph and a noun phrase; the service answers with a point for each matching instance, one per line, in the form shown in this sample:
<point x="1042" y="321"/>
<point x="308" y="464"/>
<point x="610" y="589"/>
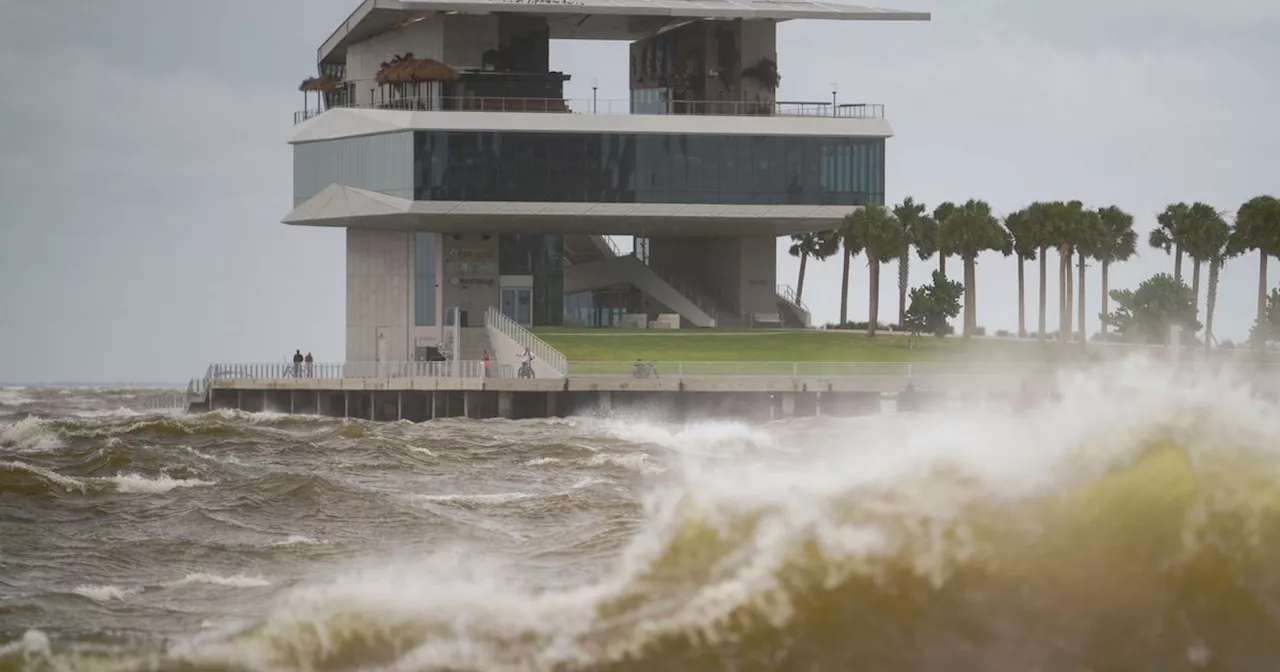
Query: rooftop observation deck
<point x="729" y="108"/>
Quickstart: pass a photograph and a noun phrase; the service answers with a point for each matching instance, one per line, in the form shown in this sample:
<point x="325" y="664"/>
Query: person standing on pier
<point x="309" y="362"/>
<point x="297" y="363"/>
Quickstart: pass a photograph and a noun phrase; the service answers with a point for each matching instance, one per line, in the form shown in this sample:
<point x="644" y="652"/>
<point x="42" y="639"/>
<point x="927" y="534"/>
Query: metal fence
<point x="732" y="108"/>
<point x="290" y="371"/>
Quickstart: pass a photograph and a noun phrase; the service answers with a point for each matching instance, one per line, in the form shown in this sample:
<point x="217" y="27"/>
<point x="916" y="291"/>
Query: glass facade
<point x="425" y="252"/>
<point x="540" y="256"/>
<point x="647" y="168"/>
<point x="382" y="163"/>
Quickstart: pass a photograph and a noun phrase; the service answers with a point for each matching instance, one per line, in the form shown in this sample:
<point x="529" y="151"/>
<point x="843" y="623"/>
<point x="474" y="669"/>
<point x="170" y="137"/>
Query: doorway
<point x="517" y="304"/>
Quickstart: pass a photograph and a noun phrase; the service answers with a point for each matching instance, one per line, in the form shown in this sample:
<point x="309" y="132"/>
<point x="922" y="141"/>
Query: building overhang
<point x="351" y="122"/>
<point x="343" y="206"/>
<point x="595" y="19"/>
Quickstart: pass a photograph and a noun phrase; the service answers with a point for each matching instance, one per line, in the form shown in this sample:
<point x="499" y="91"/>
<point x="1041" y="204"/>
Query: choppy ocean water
<point x="1129" y="525"/>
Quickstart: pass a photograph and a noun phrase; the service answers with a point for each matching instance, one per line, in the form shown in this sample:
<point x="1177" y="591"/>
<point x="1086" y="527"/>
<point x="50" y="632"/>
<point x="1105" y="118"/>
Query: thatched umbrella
<point x="414" y="70"/>
<point x="321" y="85"/>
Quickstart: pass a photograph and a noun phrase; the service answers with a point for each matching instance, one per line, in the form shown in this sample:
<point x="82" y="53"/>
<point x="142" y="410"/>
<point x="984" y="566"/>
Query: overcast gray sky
<point x="144" y="170"/>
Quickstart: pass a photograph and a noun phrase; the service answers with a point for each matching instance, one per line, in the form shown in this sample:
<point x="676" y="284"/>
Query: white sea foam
<point x="30" y="435"/>
<point x="135" y="483"/>
<point x="104" y="593"/>
<point x="13" y="396"/>
<point x="120" y="412"/>
<point x="67" y="483"/>
<point x="640" y="463"/>
<point x="234" y="581"/>
<point x="542" y="461"/>
<point x="491" y="498"/>
<point x="297" y="540"/>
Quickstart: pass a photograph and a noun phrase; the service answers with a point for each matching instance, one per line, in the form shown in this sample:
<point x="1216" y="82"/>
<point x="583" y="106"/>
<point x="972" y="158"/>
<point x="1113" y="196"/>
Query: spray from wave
<point x="1132" y="525"/>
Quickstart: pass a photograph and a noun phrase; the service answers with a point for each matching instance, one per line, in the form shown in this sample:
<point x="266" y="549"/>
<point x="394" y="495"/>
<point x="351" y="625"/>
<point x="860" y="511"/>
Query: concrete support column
<point x="604" y="400"/>
<point x="373" y="405"/>
<point x="400" y="405"/>
<point x="505" y="405"/>
<point x="472" y="404"/>
<point x="552" y="406"/>
<point x="293" y="400"/>
<point x="788" y="404"/>
<point x="239" y="400"/>
<point x="346" y="404"/>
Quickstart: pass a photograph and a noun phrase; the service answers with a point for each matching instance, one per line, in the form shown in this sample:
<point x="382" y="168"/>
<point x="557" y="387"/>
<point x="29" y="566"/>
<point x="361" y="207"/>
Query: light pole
<point x="833" y="99"/>
<point x="594" y="83"/>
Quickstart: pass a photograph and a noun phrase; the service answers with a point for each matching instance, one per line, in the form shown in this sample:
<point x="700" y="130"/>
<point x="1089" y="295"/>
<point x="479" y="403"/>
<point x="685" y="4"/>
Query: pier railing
<point x="330" y="371"/>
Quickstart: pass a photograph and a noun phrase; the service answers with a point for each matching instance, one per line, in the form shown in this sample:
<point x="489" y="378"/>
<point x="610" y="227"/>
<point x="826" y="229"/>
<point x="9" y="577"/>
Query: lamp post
<point x="594" y="83"/>
<point x="833" y="99"/>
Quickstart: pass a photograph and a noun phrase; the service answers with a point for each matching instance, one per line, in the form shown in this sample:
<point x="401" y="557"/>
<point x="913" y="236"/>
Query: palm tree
<point x="1258" y="228"/>
<point x="1168" y="234"/>
<point x="881" y="238"/>
<point x="1199" y="218"/>
<point x="940" y="216"/>
<point x="1089" y="240"/>
<point x="969" y="231"/>
<point x="851" y="248"/>
<point x="910" y="216"/>
<point x="1023" y="234"/>
<point x="1040" y="218"/>
<point x="817" y="244"/>
<point x="1209" y="241"/>
<point x="1119" y="243"/>
<point x="1064" y="231"/>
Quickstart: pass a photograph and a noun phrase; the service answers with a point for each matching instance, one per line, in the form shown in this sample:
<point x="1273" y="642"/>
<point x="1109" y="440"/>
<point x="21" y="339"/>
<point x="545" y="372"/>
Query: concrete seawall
<point x="758" y="397"/>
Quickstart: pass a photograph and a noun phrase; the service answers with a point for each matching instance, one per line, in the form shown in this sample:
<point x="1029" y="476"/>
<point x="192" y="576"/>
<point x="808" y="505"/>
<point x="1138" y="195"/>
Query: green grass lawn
<point x="723" y="345"/>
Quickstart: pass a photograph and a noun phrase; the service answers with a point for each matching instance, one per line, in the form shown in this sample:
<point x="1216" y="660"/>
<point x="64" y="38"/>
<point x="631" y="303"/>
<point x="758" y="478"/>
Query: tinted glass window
<point x="647" y="168"/>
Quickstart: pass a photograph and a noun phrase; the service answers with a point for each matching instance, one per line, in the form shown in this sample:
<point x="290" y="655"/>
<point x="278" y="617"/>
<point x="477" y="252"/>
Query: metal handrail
<point x="729" y="108"/>
<point x="789" y="293"/>
<point x="541" y="349"/>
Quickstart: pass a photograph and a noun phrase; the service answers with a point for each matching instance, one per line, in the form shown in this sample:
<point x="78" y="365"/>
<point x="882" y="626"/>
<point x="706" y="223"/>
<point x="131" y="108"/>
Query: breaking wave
<point x="1134" y="524"/>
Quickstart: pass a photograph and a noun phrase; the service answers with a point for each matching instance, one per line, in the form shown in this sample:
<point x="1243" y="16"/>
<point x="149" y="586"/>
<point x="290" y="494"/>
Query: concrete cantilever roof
<point x="597" y="19"/>
<point x="344" y="206"/>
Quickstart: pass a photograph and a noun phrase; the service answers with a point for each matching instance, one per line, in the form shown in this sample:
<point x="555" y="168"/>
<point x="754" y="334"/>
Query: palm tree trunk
<point x="970" y="295"/>
<point x="1071" y="294"/>
<point x="1064" y="308"/>
<point x="1195" y="287"/>
<point x="844" y="290"/>
<point x="942" y="263"/>
<point x="875" y="296"/>
<point x="804" y="261"/>
<point x="1262" y="300"/>
<point x="1210" y="302"/>
<point x="1022" y="300"/>
<point x="1084" y="333"/>
<point x="1105" y="265"/>
<point x="1177" y="263"/>
<point x="904" y="269"/>
<point x="1044" y="291"/>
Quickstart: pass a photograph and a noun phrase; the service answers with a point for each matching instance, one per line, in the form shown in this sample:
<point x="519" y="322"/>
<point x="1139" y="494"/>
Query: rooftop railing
<point x="684" y="370"/>
<point x="728" y="108"/>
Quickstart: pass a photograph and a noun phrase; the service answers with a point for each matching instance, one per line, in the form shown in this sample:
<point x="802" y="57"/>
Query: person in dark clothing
<point x="297" y="363"/>
<point x="309" y="361"/>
